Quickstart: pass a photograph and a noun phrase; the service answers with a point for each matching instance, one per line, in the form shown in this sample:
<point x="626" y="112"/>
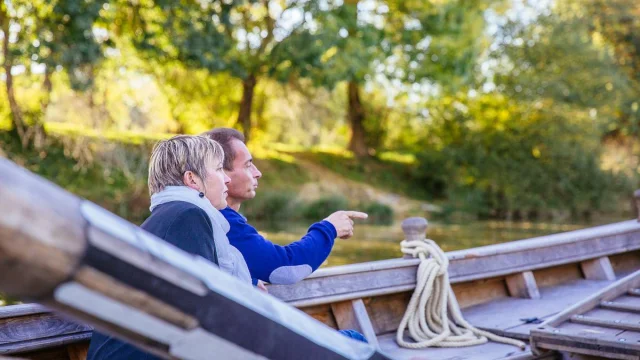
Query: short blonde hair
<point x="171" y="158"/>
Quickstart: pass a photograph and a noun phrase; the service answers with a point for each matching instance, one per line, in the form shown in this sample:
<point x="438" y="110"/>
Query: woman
<point x="188" y="186"/>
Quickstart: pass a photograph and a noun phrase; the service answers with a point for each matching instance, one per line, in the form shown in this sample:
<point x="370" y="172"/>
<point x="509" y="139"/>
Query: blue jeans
<point x="353" y="334"/>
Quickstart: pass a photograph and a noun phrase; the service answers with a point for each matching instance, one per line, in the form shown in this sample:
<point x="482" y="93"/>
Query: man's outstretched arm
<point x="291" y="263"/>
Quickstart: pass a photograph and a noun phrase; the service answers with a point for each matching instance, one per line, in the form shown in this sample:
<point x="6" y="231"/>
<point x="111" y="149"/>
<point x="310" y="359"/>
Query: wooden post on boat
<point x="414" y="228"/>
<point x="77" y="258"/>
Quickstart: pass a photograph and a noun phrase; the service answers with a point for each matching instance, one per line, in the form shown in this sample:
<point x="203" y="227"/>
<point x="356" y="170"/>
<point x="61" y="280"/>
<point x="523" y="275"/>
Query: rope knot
<point x="433" y="316"/>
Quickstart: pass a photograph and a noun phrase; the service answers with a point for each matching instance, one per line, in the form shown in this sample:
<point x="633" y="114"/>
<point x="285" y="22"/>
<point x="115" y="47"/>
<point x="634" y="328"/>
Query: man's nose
<point x="256" y="173"/>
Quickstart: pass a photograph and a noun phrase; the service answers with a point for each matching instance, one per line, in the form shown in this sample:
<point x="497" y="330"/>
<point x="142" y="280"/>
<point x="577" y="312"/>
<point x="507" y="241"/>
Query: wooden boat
<point x="606" y="324"/>
<point x="508" y="289"/>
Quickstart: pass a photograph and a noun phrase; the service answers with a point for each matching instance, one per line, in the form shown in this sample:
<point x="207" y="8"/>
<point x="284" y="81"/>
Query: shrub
<point x="379" y="213"/>
<point x="271" y="206"/>
<point x="323" y="207"/>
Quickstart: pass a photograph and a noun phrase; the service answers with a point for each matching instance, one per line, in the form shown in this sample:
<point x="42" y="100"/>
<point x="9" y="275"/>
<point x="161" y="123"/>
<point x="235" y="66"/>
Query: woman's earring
<point x="201" y="194"/>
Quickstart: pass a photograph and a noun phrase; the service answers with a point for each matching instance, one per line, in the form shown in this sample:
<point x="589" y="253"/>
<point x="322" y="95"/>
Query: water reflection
<point x="375" y="242"/>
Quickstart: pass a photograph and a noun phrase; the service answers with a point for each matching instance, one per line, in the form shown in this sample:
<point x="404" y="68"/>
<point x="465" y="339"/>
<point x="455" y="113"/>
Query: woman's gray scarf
<point x="230" y="259"/>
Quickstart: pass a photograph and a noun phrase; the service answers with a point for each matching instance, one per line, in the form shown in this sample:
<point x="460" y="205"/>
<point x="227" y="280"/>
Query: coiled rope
<point x="426" y="316"/>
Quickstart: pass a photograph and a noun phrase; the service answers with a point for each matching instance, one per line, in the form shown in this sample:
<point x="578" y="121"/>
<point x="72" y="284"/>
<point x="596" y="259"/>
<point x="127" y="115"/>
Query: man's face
<point x="244" y="176"/>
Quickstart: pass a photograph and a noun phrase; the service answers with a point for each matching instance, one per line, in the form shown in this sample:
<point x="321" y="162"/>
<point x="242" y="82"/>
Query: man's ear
<point x="191" y="180"/>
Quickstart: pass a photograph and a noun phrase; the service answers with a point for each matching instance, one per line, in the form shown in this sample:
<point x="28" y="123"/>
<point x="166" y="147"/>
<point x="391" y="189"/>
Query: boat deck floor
<point x="503" y="316"/>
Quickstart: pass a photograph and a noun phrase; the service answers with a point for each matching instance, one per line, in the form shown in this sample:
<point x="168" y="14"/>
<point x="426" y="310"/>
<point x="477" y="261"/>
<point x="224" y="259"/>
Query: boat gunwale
<point x="490" y="250"/>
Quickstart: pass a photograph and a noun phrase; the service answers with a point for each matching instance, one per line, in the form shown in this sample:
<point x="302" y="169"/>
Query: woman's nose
<point x="227" y="179"/>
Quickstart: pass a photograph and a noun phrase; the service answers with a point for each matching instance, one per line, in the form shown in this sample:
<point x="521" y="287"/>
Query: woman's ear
<point x="191" y="180"/>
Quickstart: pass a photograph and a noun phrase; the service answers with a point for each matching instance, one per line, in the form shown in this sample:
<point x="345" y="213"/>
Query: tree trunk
<point x="244" y="115"/>
<point x="47" y="86"/>
<point x="16" y="113"/>
<point x="357" y="143"/>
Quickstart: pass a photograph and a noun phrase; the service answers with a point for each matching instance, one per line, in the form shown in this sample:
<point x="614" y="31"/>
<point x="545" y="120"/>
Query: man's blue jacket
<point x="280" y="264"/>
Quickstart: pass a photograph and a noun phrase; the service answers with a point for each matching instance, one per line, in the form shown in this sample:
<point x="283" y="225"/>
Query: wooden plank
<point x="589" y="340"/>
<point x="610" y="292"/>
<point x="505" y="316"/>
<point x="606" y="314"/>
<point x="625" y="263"/>
<point x="38" y="344"/>
<point x="620" y="307"/>
<point x="555" y="275"/>
<point x="489" y="350"/>
<point x="25" y="332"/>
<point x="479" y="291"/>
<point x="387" y="311"/>
<point x="41" y="265"/>
<point x="78" y="351"/>
<point x="598" y="269"/>
<point x="353" y="315"/>
<point x="614" y="324"/>
<point x="322" y="313"/>
<point x="398" y="275"/>
<point x="523" y="285"/>
<point x="12" y="311"/>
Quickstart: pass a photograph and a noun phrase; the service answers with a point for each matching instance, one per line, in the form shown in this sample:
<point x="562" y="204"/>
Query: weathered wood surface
<point x="523" y="285"/>
<point x="505" y="316"/>
<point x="30" y="327"/>
<point x="87" y="263"/>
<point x="603" y="324"/>
<point x="589" y="340"/>
<point x="488" y="351"/>
<point x="353" y="314"/>
<point x="397" y="275"/>
<point x="598" y="269"/>
<point x="386" y="311"/>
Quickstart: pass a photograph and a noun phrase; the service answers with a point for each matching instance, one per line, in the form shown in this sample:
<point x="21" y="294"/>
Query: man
<point x="267" y="261"/>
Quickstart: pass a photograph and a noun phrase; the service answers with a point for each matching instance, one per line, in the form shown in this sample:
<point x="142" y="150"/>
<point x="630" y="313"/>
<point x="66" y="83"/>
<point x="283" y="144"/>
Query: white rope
<point x="426" y="317"/>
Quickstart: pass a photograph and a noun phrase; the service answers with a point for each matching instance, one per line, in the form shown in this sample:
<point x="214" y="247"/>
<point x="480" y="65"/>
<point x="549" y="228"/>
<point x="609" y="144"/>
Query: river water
<point x="376" y="242"/>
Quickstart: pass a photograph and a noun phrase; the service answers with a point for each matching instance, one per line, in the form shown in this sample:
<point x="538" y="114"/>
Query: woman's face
<point x="215" y="185"/>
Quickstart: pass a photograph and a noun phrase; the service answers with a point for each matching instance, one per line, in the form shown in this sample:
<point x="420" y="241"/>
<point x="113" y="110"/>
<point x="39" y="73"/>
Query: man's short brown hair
<point x="224" y="136"/>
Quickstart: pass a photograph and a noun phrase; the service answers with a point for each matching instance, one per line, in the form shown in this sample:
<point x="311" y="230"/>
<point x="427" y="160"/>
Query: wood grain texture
<point x="387" y="311"/>
<point x="607" y="294"/>
<point x="125" y="294"/>
<point x="625" y="263"/>
<point x="322" y="313"/>
<point x="555" y="262"/>
<point x="353" y="315"/>
<point x="523" y="285"/>
<point x="487" y="351"/>
<point x="589" y="340"/>
<point x="480" y="291"/>
<point x="556" y="275"/>
<point x="41" y="233"/>
<point x="598" y="269"/>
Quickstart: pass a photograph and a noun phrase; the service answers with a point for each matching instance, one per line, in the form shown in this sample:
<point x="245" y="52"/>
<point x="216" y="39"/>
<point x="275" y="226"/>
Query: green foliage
<point x="272" y="206"/>
<point x="113" y="177"/>
<point x="323" y="207"/>
<point x="495" y="158"/>
<point x="389" y="174"/>
<point x="57" y="34"/>
<point x="379" y="213"/>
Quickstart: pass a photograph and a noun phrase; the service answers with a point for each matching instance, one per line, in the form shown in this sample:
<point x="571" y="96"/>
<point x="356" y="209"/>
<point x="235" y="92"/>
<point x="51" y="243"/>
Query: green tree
<point x="617" y="22"/>
<point x="413" y="42"/>
<point x="249" y="40"/>
<point x="53" y="34"/>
